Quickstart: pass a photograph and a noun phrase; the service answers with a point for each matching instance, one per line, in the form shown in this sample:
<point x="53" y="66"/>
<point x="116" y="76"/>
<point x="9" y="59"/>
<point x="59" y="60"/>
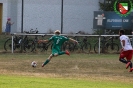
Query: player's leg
<point x="67" y="52"/>
<point x="122" y="60"/>
<point x="129" y="63"/>
<point x="63" y="52"/>
<point x="122" y="56"/>
<point x="50" y="57"/>
<point x="129" y="58"/>
<point x="54" y="53"/>
<point x="47" y="60"/>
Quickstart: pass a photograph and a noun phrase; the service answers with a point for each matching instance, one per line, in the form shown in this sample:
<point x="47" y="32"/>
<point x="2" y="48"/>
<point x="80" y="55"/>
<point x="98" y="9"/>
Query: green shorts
<point x="55" y="50"/>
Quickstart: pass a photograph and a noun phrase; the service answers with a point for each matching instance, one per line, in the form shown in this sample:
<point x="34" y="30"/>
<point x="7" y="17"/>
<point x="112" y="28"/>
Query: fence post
<point x="99" y="45"/>
<point x="12" y="44"/>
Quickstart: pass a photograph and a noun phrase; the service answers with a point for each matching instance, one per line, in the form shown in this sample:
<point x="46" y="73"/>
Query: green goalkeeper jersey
<point x="57" y="40"/>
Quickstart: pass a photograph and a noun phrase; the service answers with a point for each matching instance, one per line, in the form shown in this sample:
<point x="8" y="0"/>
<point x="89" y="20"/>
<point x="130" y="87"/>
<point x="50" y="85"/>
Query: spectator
<point x="8" y="26"/>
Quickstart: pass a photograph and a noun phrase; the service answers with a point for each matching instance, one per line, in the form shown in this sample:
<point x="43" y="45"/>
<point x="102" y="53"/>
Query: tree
<point x="108" y="5"/>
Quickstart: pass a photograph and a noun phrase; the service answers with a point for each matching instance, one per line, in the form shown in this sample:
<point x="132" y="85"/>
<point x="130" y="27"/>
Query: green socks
<point x="46" y="62"/>
<point x="60" y="53"/>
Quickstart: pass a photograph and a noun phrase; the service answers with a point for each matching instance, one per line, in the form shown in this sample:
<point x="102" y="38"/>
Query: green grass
<point x="37" y="82"/>
<point x="75" y="71"/>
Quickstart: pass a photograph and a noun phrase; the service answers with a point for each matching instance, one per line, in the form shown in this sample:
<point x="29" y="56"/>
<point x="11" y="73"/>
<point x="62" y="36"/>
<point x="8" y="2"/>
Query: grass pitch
<point x="42" y="82"/>
<point x="75" y="71"/>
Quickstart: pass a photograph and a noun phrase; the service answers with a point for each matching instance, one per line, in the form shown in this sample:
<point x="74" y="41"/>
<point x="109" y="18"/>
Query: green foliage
<point x="108" y="5"/>
<point x="3" y="38"/>
<point x="98" y="31"/>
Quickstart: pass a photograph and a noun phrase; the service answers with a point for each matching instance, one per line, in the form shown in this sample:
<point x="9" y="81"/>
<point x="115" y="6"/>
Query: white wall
<point x="46" y="15"/>
<point x="12" y="12"/>
<point x="78" y="15"/>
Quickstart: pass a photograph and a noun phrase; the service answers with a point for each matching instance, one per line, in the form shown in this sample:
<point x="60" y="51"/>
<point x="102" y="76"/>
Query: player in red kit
<point x="126" y="51"/>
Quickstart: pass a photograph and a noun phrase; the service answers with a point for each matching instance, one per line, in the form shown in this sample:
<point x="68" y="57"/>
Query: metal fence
<point x="99" y="38"/>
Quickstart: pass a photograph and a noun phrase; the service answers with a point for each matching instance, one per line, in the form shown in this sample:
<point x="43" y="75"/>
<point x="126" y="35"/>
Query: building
<point x="46" y="15"/>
